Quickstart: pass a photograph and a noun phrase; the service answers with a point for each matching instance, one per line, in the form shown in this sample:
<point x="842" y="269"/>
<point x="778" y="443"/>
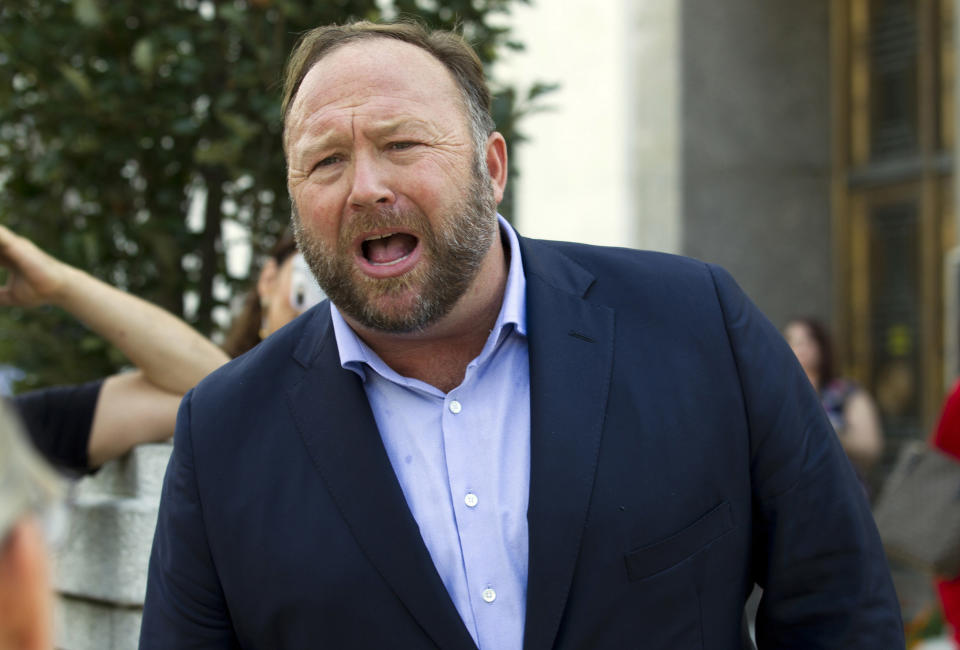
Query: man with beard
<point x="494" y="442"/>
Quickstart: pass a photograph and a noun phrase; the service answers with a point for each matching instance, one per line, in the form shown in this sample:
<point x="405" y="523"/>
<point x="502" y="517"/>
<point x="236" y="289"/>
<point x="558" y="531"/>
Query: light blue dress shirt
<point x="463" y="462"/>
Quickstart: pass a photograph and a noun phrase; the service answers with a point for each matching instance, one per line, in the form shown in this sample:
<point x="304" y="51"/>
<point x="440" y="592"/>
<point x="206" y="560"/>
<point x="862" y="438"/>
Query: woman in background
<point x="850" y="409"/>
<point x="285" y="289"/>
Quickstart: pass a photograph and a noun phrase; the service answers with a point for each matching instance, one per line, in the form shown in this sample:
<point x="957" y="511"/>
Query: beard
<point x="452" y="252"/>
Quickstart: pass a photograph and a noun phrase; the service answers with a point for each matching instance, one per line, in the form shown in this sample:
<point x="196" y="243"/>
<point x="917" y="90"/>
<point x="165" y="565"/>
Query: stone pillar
<point x="100" y="572"/>
<point x="654" y="131"/>
<point x="756" y="148"/>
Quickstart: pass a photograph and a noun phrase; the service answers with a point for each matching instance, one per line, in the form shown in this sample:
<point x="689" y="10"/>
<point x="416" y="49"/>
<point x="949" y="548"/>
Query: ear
<point x="268" y="277"/>
<point x="26" y="601"/>
<point x="497" y="163"/>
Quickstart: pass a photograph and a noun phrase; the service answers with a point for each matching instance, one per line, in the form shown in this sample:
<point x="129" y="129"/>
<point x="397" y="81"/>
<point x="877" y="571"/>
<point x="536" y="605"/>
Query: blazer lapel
<point x="571" y="355"/>
<point x="334" y="417"/>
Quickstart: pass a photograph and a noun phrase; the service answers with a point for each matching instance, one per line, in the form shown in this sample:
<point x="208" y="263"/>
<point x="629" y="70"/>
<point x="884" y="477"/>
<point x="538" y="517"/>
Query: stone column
<point x="756" y="148"/>
<point x="653" y="80"/>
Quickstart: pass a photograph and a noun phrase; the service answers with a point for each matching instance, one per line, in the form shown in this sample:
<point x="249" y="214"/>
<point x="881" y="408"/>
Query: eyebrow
<point x="391" y="126"/>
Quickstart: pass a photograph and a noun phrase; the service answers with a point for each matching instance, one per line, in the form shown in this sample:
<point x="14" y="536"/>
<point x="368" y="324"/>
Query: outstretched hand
<point x="34" y="278"/>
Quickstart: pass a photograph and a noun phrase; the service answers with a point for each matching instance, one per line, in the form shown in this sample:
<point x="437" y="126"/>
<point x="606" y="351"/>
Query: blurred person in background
<point x="78" y="428"/>
<point x="28" y="488"/>
<point x="285" y="289"/>
<point x="851" y="410"/>
<point x="946" y="437"/>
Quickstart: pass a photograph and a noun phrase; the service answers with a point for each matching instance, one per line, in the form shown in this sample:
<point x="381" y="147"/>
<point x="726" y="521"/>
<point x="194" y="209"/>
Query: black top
<point x="58" y="420"/>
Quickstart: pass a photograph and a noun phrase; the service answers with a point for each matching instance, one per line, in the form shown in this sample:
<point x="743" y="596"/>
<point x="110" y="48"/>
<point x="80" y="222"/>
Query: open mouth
<point x="388" y="254"/>
<point x="388" y="249"/>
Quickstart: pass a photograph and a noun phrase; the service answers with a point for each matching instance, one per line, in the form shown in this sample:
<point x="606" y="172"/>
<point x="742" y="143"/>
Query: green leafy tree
<point x="119" y="118"/>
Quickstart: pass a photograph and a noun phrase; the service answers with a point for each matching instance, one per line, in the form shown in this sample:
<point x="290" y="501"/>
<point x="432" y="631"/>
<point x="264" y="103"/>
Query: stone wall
<point x="100" y="571"/>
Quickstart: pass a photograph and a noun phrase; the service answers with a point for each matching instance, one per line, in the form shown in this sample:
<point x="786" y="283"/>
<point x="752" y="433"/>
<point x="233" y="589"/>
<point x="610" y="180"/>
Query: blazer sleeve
<point x="817" y="553"/>
<point x="185" y="606"/>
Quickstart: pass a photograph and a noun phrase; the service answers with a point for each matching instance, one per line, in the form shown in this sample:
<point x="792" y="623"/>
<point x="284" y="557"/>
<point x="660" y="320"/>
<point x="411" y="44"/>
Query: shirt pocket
<point x="649" y="560"/>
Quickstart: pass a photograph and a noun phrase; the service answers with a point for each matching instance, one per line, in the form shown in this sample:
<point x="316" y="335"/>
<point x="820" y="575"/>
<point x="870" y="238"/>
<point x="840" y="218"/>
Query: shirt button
<point x="489" y="595"/>
<point x="455" y="407"/>
<point x="471" y="500"/>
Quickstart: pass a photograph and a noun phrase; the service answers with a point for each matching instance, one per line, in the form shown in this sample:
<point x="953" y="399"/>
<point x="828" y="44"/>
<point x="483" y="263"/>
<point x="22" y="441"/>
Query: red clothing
<point x="947" y="438"/>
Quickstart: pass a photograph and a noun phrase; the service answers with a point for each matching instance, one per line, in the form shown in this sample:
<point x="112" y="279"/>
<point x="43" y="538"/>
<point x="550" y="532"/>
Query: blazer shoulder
<point x="271" y="358"/>
<point x="616" y="271"/>
<point x="592" y="256"/>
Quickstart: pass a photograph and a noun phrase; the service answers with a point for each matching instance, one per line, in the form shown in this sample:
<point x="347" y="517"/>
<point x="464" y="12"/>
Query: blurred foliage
<point x="116" y="115"/>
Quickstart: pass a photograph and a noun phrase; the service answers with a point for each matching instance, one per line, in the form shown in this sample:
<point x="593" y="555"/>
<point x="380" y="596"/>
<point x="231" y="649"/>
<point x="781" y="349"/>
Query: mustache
<point x="384" y="218"/>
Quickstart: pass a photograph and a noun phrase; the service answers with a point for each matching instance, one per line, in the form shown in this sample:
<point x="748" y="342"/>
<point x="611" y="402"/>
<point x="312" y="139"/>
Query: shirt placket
<point x="473" y="495"/>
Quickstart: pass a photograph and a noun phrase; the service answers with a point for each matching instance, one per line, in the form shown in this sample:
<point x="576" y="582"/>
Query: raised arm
<point x="170" y="356"/>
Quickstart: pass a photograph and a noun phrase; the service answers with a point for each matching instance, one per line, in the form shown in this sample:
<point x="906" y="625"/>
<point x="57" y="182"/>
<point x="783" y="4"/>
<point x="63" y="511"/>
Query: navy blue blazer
<point x="678" y="455"/>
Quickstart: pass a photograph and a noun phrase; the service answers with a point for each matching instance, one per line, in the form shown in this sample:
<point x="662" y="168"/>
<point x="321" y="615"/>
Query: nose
<point x="371" y="182"/>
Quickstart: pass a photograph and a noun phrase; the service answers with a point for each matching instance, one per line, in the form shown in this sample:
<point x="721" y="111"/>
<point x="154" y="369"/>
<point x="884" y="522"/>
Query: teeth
<point x="376" y="237"/>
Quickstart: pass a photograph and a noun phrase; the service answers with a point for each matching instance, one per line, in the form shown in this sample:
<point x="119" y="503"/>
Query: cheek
<point x="281" y="311"/>
<point x="432" y="189"/>
<point x="282" y="289"/>
<point x="799" y="342"/>
<point x="807" y="354"/>
<point x="279" y="314"/>
<point x="320" y="208"/>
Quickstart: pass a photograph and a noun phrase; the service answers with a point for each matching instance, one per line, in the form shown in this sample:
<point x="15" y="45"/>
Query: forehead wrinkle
<point x="314" y="110"/>
<point x="392" y="125"/>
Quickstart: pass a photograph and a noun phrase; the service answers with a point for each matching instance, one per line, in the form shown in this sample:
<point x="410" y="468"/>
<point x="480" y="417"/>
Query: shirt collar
<point x="355" y="355"/>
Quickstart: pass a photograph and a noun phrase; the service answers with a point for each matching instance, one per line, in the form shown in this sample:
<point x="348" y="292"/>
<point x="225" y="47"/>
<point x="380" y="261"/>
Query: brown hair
<point x="448" y="48"/>
<point x="245" y="329"/>
<point x="821" y="336"/>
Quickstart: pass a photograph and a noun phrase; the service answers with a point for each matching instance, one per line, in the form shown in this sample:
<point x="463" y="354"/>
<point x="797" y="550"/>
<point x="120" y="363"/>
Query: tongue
<point x="389" y="249"/>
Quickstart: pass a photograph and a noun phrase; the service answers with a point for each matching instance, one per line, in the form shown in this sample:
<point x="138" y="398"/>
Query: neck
<point x="439" y="354"/>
